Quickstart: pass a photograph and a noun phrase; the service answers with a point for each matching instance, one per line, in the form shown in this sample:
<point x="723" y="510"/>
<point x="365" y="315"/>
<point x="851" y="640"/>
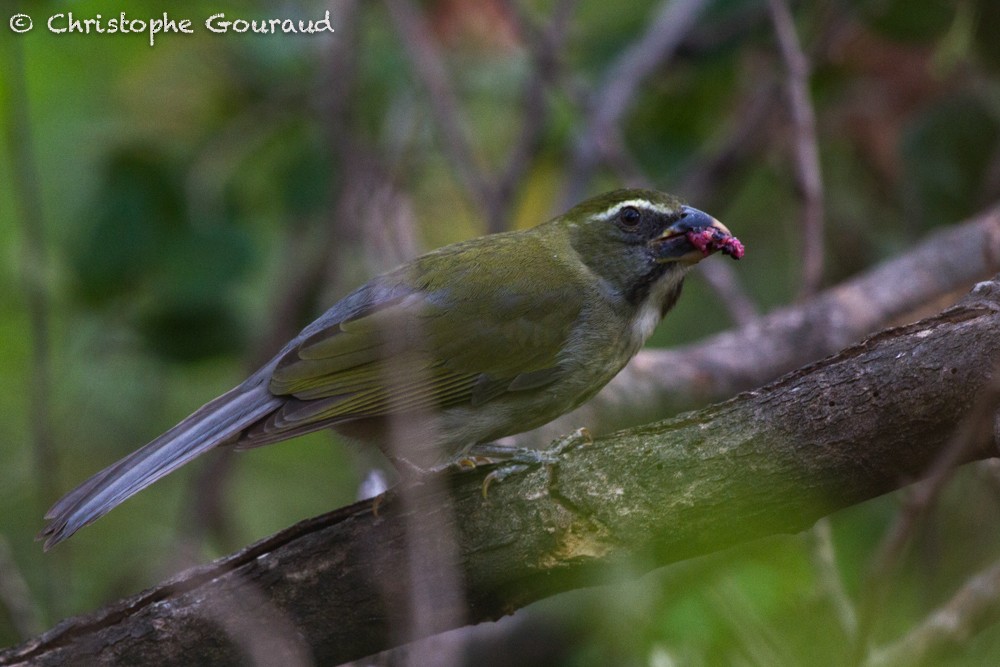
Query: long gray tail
<point x="216" y="423"/>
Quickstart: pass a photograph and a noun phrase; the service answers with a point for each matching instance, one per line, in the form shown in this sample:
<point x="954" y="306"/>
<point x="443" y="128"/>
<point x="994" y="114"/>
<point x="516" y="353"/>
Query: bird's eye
<point x="630" y="216"/>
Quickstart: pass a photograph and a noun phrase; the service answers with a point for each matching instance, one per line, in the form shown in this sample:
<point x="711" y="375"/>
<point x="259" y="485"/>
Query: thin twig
<point x="493" y="193"/>
<point x="620" y="160"/>
<point x="616" y="93"/>
<point x="754" y="638"/>
<point x="727" y="288"/>
<point x="746" y="136"/>
<point x="977" y="428"/>
<point x="825" y="564"/>
<point x="429" y="67"/>
<point x="972" y="609"/>
<point x="673" y="21"/>
<point x="545" y="45"/>
<point x="807" y="167"/>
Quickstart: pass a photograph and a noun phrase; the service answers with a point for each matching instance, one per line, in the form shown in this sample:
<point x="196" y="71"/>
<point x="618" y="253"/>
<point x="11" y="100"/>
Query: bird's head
<point x="636" y="239"/>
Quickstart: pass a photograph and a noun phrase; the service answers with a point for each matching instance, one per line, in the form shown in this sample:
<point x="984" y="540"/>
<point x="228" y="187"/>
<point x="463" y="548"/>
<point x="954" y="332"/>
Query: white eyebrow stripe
<point x="637" y="203"/>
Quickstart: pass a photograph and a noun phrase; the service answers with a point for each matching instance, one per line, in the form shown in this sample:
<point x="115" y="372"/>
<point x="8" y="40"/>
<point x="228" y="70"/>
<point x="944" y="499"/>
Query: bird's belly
<point x="434" y="436"/>
<point x="518" y="412"/>
<point x="429" y="438"/>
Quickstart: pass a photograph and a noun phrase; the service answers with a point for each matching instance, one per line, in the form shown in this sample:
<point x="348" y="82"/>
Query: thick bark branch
<point x="854" y="426"/>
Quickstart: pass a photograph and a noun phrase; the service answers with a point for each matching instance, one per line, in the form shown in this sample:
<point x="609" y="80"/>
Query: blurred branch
<point x="15" y="596"/>
<point x="807" y="172"/>
<point x="825" y="564"/>
<point x="546" y="44"/>
<point x="974" y="608"/>
<point x="493" y="193"/>
<point x="866" y="421"/>
<point x="429" y="67"/>
<point x="977" y="427"/>
<point x="721" y="278"/>
<point x="754" y="637"/>
<point x="748" y="133"/>
<point x="616" y="93"/>
<point x="661" y="382"/>
<point x="34" y="272"/>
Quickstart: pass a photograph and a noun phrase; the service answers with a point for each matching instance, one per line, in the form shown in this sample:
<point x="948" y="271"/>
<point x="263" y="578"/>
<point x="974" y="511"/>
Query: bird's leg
<point x="581" y="437"/>
<point x="408" y="470"/>
<point x="409" y="475"/>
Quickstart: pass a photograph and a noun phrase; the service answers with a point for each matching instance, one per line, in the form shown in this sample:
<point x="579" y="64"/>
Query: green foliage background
<point x="184" y="186"/>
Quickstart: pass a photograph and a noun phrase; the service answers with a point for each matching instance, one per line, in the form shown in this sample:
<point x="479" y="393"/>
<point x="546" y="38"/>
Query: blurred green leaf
<point x="985" y="42"/>
<point x="947" y="152"/>
<point x="898" y="19"/>
<point x="132" y="214"/>
<point x="140" y="248"/>
<point x="187" y="330"/>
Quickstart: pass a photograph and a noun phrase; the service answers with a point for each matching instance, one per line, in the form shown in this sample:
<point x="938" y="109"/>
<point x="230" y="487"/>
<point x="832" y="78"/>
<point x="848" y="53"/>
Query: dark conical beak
<point x="693" y="220"/>
<point x="694" y="236"/>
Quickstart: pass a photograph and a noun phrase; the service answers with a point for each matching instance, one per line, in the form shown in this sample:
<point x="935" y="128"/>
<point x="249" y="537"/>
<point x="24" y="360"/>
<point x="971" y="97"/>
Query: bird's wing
<point x="422" y="350"/>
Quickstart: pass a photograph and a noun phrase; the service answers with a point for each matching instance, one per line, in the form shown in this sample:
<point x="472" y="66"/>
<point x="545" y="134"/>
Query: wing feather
<point x="445" y="339"/>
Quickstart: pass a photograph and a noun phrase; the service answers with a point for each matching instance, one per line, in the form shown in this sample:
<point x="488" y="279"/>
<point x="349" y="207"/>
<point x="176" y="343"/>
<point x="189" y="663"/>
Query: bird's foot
<point x="581" y="437"/>
<point x="513" y="460"/>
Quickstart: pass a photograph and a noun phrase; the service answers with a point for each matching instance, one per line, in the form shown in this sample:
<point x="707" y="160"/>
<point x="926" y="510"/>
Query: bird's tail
<point x="217" y="422"/>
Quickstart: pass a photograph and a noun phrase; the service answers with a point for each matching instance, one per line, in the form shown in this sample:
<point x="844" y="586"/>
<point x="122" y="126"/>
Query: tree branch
<point x="866" y="421"/>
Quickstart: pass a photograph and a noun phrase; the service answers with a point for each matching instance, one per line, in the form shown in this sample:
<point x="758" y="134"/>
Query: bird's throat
<point x="660" y="297"/>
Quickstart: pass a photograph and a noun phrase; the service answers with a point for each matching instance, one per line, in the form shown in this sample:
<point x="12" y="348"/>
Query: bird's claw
<point x="581" y="437"/>
<point x="514" y="461"/>
<point x="502" y="473"/>
<point x="470" y="462"/>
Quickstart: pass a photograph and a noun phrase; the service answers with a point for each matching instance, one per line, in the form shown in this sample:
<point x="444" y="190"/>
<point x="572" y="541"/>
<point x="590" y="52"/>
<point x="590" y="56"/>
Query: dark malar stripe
<point x="639" y="291"/>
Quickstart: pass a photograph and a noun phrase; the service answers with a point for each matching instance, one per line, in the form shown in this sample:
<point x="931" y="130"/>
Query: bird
<point x="462" y="346"/>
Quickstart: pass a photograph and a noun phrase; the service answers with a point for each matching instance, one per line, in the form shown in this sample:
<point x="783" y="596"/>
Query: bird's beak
<point x="693" y="237"/>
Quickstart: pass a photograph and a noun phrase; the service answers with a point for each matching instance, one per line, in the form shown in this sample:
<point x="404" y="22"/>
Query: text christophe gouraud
<point x="122" y="23"/>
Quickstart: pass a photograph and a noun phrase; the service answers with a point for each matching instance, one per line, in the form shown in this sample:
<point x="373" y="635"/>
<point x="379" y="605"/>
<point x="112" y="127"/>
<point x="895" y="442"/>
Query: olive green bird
<point x="464" y="345"/>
